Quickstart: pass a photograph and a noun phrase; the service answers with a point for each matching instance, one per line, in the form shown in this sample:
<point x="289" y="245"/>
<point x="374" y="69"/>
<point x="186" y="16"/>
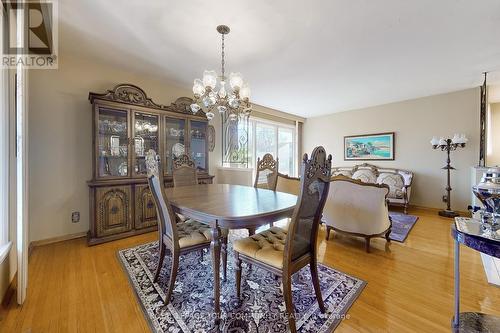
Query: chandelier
<point x="210" y="95"/>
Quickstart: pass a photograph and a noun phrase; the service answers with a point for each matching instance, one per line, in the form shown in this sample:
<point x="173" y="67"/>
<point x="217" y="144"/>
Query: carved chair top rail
<point x="184" y="172"/>
<point x="266" y="163"/>
<point x="282" y="175"/>
<point x="183" y="160"/>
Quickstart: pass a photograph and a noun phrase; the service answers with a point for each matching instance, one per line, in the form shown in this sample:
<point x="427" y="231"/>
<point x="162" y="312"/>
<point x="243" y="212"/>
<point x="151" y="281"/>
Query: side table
<point x="472" y="321"/>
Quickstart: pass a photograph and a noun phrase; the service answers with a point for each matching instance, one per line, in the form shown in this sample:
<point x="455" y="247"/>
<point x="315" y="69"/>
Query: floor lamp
<point x="448" y="145"/>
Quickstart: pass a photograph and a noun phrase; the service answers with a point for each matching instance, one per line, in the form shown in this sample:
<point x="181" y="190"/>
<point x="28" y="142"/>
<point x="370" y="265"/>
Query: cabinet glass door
<point x="198" y="144"/>
<point x="175" y="144"/>
<point x="113" y="141"/>
<point x="145" y="138"/>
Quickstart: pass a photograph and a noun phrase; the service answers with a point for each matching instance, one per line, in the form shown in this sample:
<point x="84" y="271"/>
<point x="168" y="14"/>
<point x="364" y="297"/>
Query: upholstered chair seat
<point x="267" y="246"/>
<point x="192" y="232"/>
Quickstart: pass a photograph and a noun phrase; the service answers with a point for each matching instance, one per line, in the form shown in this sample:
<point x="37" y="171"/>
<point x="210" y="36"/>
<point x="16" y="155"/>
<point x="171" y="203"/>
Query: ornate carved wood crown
<point x="183" y="160"/>
<point x="132" y="94"/>
<point x="267" y="162"/>
<point x="319" y="166"/>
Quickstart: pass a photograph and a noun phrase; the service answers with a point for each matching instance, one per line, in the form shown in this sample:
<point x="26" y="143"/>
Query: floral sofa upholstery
<point x="399" y="181"/>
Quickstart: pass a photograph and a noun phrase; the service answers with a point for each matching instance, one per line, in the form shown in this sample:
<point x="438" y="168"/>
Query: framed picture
<point x="369" y="147"/>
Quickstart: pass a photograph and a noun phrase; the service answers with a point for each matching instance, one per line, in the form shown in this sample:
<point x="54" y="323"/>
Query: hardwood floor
<point x="75" y="288"/>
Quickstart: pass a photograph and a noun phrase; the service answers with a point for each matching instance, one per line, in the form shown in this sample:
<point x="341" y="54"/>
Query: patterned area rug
<point x="401" y="225"/>
<point x="260" y="309"/>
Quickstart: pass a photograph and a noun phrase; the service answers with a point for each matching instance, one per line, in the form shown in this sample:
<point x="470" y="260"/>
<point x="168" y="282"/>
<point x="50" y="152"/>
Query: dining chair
<point x="266" y="176"/>
<point x="267" y="171"/>
<point x="287" y="184"/>
<point x="284" y="254"/>
<point x="184" y="172"/>
<point x="178" y="238"/>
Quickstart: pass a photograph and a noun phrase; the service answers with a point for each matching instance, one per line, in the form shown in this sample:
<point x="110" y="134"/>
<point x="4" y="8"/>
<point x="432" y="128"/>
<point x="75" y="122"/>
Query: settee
<point x="399" y="181"/>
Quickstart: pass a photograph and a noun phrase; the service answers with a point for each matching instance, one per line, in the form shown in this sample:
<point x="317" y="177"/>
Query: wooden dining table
<point x="231" y="207"/>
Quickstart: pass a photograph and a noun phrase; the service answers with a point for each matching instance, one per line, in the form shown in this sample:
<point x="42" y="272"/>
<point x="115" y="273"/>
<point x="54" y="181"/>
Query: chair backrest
<point x="166" y="216"/>
<point x="267" y="171"/>
<point x="357" y="207"/>
<point x="287" y="184"/>
<point x="184" y="172"/>
<point x="314" y="185"/>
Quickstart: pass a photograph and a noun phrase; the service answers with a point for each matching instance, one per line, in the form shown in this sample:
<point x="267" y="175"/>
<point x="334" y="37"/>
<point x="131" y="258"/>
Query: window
<point x="265" y="140"/>
<point x="244" y="142"/>
<point x="286" y="150"/>
<point x="4" y="163"/>
<point x="276" y="139"/>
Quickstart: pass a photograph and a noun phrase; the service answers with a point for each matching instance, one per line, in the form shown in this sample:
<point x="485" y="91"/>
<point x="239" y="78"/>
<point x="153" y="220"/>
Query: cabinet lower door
<point x="113" y="210"/>
<point x="145" y="208"/>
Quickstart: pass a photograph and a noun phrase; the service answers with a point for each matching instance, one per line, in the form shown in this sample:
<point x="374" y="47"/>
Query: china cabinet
<point x="126" y="124"/>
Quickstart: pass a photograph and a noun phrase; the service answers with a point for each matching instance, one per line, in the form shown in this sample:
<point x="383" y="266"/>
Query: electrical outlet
<point x="75" y="217"/>
<point x="445" y="198"/>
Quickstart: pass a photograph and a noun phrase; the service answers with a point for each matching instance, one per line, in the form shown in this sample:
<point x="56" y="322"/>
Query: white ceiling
<point x="303" y="57"/>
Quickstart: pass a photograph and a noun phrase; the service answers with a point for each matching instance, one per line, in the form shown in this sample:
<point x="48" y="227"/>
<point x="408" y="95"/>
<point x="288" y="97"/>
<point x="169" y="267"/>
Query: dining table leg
<point x="215" y="246"/>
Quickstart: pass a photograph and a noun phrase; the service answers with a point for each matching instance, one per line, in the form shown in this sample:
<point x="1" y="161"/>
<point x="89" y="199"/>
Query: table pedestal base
<point x="476" y="322"/>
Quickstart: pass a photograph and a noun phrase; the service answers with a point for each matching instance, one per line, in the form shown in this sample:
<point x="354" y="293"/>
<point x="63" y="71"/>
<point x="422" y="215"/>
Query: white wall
<point x="415" y="122"/>
<point x="60" y="139"/>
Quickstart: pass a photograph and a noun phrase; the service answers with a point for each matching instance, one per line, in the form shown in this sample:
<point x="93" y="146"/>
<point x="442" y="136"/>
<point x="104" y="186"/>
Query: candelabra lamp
<point x="448" y="145"/>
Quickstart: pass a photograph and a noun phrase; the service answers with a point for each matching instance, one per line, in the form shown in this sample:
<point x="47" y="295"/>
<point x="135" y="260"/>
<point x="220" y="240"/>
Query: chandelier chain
<point x="222" y="61"/>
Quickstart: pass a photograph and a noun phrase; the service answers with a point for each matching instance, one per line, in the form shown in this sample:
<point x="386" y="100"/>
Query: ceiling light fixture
<point x="210" y="96"/>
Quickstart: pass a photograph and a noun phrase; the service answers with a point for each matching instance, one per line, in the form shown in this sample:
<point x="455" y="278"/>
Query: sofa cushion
<point x="365" y="175"/>
<point x="346" y="173"/>
<point x="395" y="182"/>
